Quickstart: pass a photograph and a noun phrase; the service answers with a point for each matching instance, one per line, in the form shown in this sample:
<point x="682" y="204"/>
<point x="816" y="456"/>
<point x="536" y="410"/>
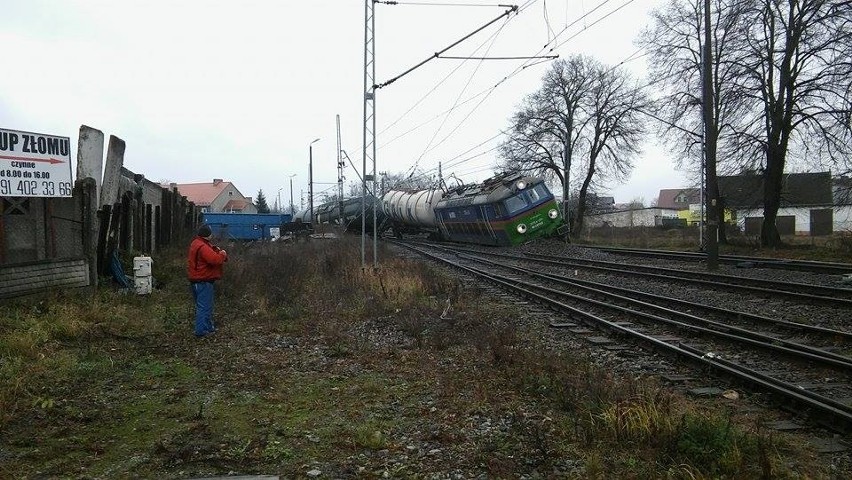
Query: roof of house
<point x="202" y="194"/>
<point x="746" y="191"/>
<point x="797" y="189"/>
<point x="236" y="204"/>
<point x="667" y="197"/>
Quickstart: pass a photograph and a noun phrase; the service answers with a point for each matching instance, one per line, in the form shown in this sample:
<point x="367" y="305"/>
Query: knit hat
<point x="204" y="231"/>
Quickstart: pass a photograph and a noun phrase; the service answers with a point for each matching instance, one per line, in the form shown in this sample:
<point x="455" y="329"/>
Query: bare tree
<point x="612" y="139"/>
<point x="546" y="129"/>
<point x="796" y="68"/>
<point x="781" y="84"/>
<point x="584" y="114"/>
<point x="675" y="42"/>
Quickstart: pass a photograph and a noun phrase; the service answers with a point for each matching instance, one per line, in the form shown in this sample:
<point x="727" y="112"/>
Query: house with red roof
<point x="217" y="197"/>
<point x="678" y="198"/>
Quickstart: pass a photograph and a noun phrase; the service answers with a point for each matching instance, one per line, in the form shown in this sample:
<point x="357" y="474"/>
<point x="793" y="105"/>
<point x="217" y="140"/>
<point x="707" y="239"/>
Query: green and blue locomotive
<point x="507" y="209"/>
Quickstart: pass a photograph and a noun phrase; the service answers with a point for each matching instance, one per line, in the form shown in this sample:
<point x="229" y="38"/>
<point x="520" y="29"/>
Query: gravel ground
<point x="638" y="362"/>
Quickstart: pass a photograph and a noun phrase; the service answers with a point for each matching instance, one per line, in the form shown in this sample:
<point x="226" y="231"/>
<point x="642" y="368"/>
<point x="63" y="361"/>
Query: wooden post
<point x="89" y="208"/>
<point x="103" y="235"/>
<point x="158" y="228"/>
<point x="126" y="223"/>
<point x="149" y="231"/>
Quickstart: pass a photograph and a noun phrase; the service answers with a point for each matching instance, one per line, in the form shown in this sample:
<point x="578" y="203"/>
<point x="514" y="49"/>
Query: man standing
<point x="205" y="262"/>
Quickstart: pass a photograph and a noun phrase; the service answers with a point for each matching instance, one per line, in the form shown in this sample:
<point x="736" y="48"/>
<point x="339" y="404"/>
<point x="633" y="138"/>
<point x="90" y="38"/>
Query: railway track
<point x="823" y="294"/>
<point x="835" y="268"/>
<point x="799" y="364"/>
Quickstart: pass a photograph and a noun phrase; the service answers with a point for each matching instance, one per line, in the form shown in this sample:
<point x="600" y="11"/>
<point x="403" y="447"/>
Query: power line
<point x="436" y="4"/>
<point x="441" y="82"/>
<point x="458" y="97"/>
<point x="509" y="11"/>
<point x="522" y="67"/>
<point x="517" y="70"/>
<point x="550" y="57"/>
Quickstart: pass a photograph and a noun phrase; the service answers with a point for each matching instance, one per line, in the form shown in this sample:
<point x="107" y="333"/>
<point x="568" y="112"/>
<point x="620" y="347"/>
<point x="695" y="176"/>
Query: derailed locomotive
<point x="507" y="209"/>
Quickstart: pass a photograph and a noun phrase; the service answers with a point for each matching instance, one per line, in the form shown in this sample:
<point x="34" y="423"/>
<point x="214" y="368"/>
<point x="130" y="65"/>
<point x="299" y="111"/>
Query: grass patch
<point x="318" y="364"/>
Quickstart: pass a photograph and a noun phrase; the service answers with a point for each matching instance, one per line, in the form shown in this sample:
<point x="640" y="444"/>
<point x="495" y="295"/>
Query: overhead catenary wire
<point x="519" y="69"/>
<point x="441" y="114"/>
<point x="634" y="56"/>
<point x="440" y="82"/>
<point x="509" y="11"/>
<point x="458" y="98"/>
<point x="441" y="4"/>
<point x="546" y="57"/>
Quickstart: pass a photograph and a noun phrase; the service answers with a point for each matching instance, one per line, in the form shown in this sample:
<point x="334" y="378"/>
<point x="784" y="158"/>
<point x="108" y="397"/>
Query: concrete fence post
<point x="112" y="171"/>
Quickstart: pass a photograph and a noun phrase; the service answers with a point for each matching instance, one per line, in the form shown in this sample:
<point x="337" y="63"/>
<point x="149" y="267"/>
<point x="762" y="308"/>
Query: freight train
<point x="507" y="209"/>
<point x="346" y="214"/>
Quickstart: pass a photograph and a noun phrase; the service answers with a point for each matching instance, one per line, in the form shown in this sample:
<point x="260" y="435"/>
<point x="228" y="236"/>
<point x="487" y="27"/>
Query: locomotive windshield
<point x="532" y="196"/>
<point x="516" y="203"/>
<point x="538" y="193"/>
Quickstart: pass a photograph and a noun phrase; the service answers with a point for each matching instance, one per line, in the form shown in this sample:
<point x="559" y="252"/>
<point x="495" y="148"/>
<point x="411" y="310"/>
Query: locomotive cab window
<point x="515" y="204"/>
<point x="538" y="193"/>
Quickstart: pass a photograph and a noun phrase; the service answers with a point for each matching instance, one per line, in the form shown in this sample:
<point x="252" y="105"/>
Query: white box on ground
<point x="142" y="266"/>
<point x="142" y="279"/>
<point x="143" y="285"/>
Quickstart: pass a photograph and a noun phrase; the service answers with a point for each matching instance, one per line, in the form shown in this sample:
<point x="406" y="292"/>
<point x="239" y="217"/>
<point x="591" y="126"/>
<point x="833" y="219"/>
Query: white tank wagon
<point x="413" y="209"/>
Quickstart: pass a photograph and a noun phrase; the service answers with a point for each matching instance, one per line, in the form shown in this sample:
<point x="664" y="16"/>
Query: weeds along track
<point x="837" y="268"/>
<point x="805" y="366"/>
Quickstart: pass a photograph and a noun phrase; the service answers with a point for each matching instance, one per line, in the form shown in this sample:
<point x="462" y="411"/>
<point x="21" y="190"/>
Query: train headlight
<point x="522" y="228"/>
<point x="553" y="214"/>
<point x="521" y="185"/>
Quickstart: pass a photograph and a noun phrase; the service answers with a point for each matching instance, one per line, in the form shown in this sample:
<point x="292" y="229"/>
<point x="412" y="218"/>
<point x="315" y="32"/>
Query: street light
<point x="291" y="197"/>
<point x="311" y="177"/>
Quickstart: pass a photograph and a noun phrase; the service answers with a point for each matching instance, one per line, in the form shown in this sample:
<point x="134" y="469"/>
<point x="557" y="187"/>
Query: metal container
<point x="244" y="226"/>
<point x="413" y="208"/>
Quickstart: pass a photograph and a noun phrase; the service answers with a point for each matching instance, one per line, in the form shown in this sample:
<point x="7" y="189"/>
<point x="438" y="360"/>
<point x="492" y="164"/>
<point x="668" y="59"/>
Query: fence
<point x="48" y="243"/>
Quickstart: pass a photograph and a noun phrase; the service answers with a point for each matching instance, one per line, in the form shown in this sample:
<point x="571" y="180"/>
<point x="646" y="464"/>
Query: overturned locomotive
<point x="507" y="209"/>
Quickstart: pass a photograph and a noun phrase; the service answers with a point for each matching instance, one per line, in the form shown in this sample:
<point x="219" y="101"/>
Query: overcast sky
<point x="237" y="90"/>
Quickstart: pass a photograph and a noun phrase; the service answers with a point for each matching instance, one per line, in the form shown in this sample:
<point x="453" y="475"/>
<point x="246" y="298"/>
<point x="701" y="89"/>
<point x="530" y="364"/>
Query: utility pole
<point x="311" y="177"/>
<point x="340" y="178"/>
<point x="709" y="179"/>
<point x="292" y="213"/>
<point x="369" y="132"/>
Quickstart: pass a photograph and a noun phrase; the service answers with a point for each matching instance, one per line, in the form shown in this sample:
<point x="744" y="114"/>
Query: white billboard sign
<point x="34" y="165"/>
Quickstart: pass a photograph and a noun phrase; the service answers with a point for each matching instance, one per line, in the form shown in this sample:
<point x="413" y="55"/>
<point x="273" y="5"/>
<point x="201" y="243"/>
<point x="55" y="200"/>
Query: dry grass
<point x="317" y="358"/>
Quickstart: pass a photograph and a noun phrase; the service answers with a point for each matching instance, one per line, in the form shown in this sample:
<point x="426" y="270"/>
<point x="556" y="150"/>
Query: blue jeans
<point x="202" y="292"/>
